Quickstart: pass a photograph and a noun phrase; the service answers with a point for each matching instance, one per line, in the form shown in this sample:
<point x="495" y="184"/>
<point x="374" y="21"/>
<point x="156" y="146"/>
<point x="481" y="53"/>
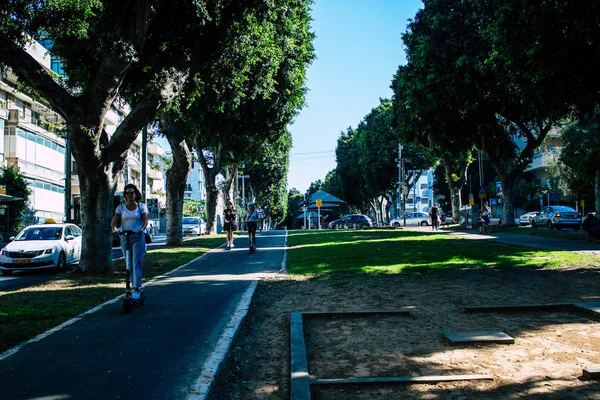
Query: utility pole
<point x="400" y="180"/>
<point x="68" y="174"/>
<point x="144" y="160"/>
<point x="243" y="178"/>
<point x="304" y="209"/>
<point x="480" y="178"/>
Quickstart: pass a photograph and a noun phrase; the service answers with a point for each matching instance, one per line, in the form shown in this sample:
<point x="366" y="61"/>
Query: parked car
<point x="417" y="218"/>
<point x="42" y="246"/>
<point x="193" y="226"/>
<point x="557" y="217"/>
<point x="349" y="221"/>
<point x="526" y="218"/>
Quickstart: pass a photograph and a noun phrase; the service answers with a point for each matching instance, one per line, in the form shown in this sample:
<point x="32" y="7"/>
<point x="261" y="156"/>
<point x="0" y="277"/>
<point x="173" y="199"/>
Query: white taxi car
<point x="42" y="246"/>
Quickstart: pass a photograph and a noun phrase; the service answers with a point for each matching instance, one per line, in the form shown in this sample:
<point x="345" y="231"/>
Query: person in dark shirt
<point x="230" y="222"/>
<point x="434" y="214"/>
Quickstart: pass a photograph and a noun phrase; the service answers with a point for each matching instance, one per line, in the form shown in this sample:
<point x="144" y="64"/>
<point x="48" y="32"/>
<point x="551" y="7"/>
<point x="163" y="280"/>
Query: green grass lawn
<point x="392" y="252"/>
<point x="27" y="312"/>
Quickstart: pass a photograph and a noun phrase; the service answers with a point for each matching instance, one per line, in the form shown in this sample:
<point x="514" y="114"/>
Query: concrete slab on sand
<point x="479" y="337"/>
<point x="591" y="308"/>
<point x="592" y="372"/>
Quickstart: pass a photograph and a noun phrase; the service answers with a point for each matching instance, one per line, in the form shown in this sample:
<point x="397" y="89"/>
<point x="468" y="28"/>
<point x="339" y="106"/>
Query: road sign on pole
<point x="482" y="194"/>
<point x="319" y="202"/>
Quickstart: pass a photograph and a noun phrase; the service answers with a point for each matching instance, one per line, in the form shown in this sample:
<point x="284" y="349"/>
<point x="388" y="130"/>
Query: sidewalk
<point x="539" y="242"/>
<point x="164" y="350"/>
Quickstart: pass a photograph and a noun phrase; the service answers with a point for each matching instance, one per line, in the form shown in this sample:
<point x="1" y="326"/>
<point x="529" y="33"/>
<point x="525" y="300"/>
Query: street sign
<point x="493" y="202"/>
<point x="553" y="197"/>
<point x="200" y="208"/>
<point x="482" y="194"/>
<point x="319" y="202"/>
<point x="499" y="191"/>
<point x="2" y="189"/>
<point x="418" y="199"/>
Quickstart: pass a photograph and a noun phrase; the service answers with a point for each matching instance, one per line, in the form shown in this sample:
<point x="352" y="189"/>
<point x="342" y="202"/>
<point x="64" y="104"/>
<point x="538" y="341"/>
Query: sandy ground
<point x="545" y="362"/>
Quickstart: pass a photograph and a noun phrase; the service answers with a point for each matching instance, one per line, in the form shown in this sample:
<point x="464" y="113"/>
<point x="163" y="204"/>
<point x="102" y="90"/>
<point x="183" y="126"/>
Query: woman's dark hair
<point x="138" y="194"/>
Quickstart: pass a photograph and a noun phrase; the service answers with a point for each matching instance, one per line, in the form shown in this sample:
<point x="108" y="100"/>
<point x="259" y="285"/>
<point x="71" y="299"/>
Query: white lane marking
<point x="49" y="332"/>
<point x="201" y="387"/>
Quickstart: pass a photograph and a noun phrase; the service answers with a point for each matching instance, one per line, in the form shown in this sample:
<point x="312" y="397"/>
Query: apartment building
<point x="32" y="139"/>
<point x="420" y="197"/>
<point x="194" y="185"/>
<point x="545" y="156"/>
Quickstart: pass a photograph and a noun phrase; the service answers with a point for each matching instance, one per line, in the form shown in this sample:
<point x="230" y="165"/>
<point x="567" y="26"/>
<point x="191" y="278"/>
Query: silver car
<point x="526" y="218"/>
<point x="193" y="226"/>
<point x="42" y="246"/>
<point x="557" y="217"/>
<point x="412" y="219"/>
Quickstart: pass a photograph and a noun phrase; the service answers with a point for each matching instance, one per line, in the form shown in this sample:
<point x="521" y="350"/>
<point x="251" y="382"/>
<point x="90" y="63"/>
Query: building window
<point x="424" y="186"/>
<point x="57" y="66"/>
<point x="424" y="200"/>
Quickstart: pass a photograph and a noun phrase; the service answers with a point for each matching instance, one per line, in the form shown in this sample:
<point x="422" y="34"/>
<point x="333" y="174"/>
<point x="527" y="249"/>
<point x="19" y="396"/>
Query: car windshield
<point x="190" y="221"/>
<point x="40" y="233"/>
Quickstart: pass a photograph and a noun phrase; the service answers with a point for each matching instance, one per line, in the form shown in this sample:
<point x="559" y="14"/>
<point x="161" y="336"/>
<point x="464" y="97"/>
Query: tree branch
<point x="139" y="116"/>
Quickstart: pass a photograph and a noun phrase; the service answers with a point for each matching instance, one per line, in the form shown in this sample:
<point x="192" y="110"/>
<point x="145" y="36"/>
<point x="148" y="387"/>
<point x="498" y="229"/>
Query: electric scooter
<point x="251" y="243"/>
<point x="130" y="303"/>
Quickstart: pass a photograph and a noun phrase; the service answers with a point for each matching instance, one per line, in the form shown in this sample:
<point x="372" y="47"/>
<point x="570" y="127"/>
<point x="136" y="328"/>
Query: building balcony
<point x="155" y="174"/>
<point x="155" y="149"/>
<point x="541" y="160"/>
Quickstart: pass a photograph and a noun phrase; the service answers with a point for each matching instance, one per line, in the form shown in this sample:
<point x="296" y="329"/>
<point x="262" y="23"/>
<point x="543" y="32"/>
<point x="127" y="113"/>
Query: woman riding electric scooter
<point x="132" y="217"/>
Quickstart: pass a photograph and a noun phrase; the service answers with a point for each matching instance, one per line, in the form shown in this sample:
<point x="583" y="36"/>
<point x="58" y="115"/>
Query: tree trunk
<point x="176" y="178"/>
<point x="97" y="191"/>
<point x="597" y="192"/>
<point x="508" y="209"/>
<point x="454" y="186"/>
<point x="212" y="196"/>
<point x="232" y="170"/>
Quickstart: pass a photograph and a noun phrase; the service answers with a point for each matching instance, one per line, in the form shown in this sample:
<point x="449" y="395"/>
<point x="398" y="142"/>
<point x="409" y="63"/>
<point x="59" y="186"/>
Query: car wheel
<point x="550" y="226"/>
<point x="396" y="224"/>
<point x="576" y="228"/>
<point x="424" y="223"/>
<point x="61" y="264"/>
<point x="4" y="272"/>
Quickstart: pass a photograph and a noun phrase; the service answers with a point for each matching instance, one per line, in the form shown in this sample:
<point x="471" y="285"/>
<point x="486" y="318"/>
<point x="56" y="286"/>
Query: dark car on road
<point x="557" y="217"/>
<point x="350" y="221"/>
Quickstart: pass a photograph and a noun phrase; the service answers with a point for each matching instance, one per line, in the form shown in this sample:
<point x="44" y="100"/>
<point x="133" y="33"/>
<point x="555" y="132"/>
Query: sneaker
<point x="136" y="295"/>
<point x="232" y="246"/>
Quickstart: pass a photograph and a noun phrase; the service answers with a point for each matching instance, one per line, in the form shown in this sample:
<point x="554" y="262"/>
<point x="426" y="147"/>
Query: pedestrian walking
<point x="230" y="224"/>
<point x="486" y="213"/>
<point x="434" y="214"/>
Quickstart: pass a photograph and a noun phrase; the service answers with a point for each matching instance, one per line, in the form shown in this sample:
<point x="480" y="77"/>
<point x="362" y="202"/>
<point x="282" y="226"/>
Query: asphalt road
<point x="26" y="278"/>
<point x="156" y="352"/>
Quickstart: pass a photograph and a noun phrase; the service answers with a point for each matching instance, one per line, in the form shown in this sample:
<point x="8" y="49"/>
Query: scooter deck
<point x="129" y="304"/>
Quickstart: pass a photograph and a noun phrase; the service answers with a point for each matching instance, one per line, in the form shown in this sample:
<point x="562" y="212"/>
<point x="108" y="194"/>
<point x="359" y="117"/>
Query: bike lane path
<point x="159" y="350"/>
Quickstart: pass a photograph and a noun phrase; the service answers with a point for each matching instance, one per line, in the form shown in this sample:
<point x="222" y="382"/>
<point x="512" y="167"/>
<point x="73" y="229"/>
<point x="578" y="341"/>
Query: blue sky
<point x="358" y="48"/>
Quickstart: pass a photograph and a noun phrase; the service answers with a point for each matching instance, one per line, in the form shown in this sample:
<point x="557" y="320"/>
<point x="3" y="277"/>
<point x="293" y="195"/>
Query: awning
<point x="5" y="198"/>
